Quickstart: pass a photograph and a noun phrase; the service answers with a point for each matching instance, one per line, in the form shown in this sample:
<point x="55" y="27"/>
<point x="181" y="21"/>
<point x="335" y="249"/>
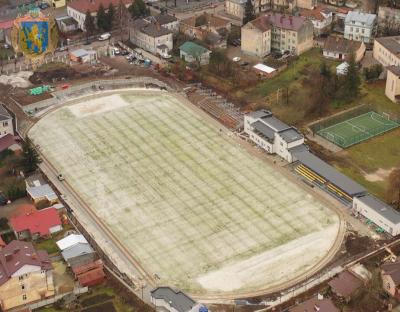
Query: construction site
<point x="188" y="201"/>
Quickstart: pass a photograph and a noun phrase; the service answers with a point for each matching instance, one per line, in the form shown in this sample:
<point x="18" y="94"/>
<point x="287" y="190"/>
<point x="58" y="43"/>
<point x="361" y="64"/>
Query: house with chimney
<point x="26" y="275"/>
<point x="150" y="35"/>
<point x="36" y="224"/>
<point x="212" y="30"/>
<point x="77" y="9"/>
<point x="277" y="32"/>
<point x="340" y="49"/>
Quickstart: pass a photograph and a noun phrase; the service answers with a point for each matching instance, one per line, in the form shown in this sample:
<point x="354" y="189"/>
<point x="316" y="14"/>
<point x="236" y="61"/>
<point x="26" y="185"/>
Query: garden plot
<point x="186" y="200"/>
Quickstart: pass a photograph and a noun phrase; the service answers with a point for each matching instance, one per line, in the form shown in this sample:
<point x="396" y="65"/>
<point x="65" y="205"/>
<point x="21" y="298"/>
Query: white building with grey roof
<point x="272" y="135"/>
<point x="378" y="212"/>
<point x="175" y="300"/>
<point x="360" y="26"/>
<point x="6" y="125"/>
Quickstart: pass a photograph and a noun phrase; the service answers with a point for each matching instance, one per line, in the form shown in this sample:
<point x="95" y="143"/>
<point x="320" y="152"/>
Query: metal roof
<point x="275" y="123"/>
<point x="77" y="250"/>
<point x="298" y="149"/>
<point x="386" y="211"/>
<point x="290" y="135"/>
<point x="260" y="113"/>
<point x="79" y="53"/>
<point x="264" y="129"/>
<point x="329" y="173"/>
<point x="360" y="17"/>
<point x="177" y="299"/>
<point x="71" y="240"/>
<point x="42" y="191"/>
<point x="193" y="49"/>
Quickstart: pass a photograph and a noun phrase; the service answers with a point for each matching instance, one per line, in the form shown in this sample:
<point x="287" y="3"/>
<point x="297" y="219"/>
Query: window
<point x="5" y="123"/>
<point x="22" y="287"/>
<point x="20" y="278"/>
<point x="23" y="297"/>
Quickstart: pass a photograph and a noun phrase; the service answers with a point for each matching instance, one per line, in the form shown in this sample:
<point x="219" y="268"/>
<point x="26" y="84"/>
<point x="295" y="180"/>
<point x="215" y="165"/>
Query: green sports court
<point x="357" y="129"/>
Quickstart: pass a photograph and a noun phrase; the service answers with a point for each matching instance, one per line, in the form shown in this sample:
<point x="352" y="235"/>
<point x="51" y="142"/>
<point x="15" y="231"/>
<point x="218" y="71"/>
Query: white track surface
<point x="185" y="199"/>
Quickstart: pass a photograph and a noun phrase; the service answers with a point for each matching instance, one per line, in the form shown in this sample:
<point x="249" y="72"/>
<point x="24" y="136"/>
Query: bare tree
<point x="122" y="18"/>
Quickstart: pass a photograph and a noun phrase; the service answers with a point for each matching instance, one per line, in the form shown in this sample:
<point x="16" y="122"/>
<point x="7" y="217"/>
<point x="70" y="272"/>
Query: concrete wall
<point x="255" y="42"/>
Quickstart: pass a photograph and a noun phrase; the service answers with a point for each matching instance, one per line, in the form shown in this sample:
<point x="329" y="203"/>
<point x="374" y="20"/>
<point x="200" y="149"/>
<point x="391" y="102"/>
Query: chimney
<point x="8" y="257"/>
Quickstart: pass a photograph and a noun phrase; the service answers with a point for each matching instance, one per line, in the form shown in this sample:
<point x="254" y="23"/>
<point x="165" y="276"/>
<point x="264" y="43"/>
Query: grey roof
<point x="264" y="129"/>
<point x="79" y="53"/>
<point x="381" y="208"/>
<point x="360" y="17"/>
<point x="260" y="113"/>
<point x="290" y="135"/>
<point x="177" y="299"/>
<point x="299" y="148"/>
<point x="275" y="123"/>
<point x="328" y="172"/>
<point x="42" y="191"/>
<point x="150" y="28"/>
<point x="35" y="179"/>
<point x="76" y="250"/>
<point x="69" y="21"/>
<point x="4" y="114"/>
<point x="164" y="18"/>
<point x="391" y="43"/>
<point x="394" y="69"/>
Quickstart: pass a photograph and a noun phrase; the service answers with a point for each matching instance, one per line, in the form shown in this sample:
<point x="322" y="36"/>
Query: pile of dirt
<point x="54" y="75"/>
<point x="20" y="79"/>
<point x="357" y="244"/>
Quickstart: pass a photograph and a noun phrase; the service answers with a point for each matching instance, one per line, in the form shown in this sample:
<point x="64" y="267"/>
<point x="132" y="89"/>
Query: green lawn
<point x="49" y="245"/>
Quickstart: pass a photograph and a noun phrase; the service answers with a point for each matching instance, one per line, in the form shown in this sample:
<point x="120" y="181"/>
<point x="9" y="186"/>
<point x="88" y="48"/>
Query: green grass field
<point x="357" y="129"/>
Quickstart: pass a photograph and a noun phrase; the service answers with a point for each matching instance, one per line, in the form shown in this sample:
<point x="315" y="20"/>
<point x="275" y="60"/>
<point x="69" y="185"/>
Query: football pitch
<point x="187" y="200"/>
<point x="357" y="129"/>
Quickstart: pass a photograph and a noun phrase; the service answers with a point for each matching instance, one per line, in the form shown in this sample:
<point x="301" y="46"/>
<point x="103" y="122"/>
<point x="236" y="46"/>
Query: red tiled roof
<point x="17" y="254"/>
<point x="39" y="221"/>
<point x="313" y="304"/>
<point x="6" y="24"/>
<point x="345" y="284"/>
<point x="93" y="5"/>
<point x="87" y="267"/>
<point x="314" y="14"/>
<point x="6" y="141"/>
<point x="92" y="277"/>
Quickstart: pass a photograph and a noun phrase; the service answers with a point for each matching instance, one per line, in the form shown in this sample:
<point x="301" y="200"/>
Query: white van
<point x="105" y="36"/>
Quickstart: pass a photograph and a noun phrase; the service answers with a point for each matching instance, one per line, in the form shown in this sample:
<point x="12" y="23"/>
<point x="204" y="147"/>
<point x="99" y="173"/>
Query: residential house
<point x="315" y="304"/>
<point x="345" y="284"/>
<point x="76" y="250"/>
<point x="271" y="134"/>
<point x="35" y="179"/>
<point x="340" y="49"/>
<point x="392" y="89"/>
<point x="174" y="300"/>
<point x="287" y="33"/>
<point x="390" y="273"/>
<point x="42" y="194"/>
<point x="256" y="37"/>
<point x="360" y="26"/>
<point x="211" y="29"/>
<point x="194" y="53"/>
<point x="387" y="50"/>
<point x="235" y="8"/>
<point x="36" y="224"/>
<point x="388" y="20"/>
<point x="66" y="24"/>
<point x="168" y="21"/>
<point x="57" y="3"/>
<point x="25" y="275"/>
<point x="6" y="122"/>
<point x="77" y="9"/>
<point x="152" y="37"/>
<point x="320" y="17"/>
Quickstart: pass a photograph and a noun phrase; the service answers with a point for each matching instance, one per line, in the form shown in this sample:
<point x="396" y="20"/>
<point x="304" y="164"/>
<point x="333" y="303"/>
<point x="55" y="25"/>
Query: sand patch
<point x="378" y="175"/>
<point x="98" y="106"/>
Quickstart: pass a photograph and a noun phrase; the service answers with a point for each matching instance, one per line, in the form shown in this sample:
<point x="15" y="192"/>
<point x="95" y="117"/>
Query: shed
<point x="265" y="70"/>
<point x="345" y="284"/>
<point x="192" y="52"/>
<point x="342" y="68"/>
<point x="83" y="56"/>
<point x="92" y="277"/>
<point x="71" y="240"/>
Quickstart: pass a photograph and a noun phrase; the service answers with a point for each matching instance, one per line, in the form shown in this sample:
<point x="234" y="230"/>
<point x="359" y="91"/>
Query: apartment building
<point x="236" y="7"/>
<point x="387" y="50"/>
<point x="287" y="33"/>
<point x="151" y="36"/>
<point x="360" y="26"/>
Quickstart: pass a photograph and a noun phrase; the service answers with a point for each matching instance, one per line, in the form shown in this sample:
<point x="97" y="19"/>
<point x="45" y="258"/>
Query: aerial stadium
<point x="197" y="207"/>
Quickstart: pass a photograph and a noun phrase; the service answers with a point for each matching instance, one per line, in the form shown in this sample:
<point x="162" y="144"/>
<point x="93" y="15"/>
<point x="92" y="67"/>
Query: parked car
<point x="60" y="177"/>
<point x="117" y="51"/>
<point x="236" y="59"/>
<point x="124" y="52"/>
<point x="236" y="42"/>
<point x="63" y="48"/>
<point x="6" y="46"/>
<point x="104" y="36"/>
